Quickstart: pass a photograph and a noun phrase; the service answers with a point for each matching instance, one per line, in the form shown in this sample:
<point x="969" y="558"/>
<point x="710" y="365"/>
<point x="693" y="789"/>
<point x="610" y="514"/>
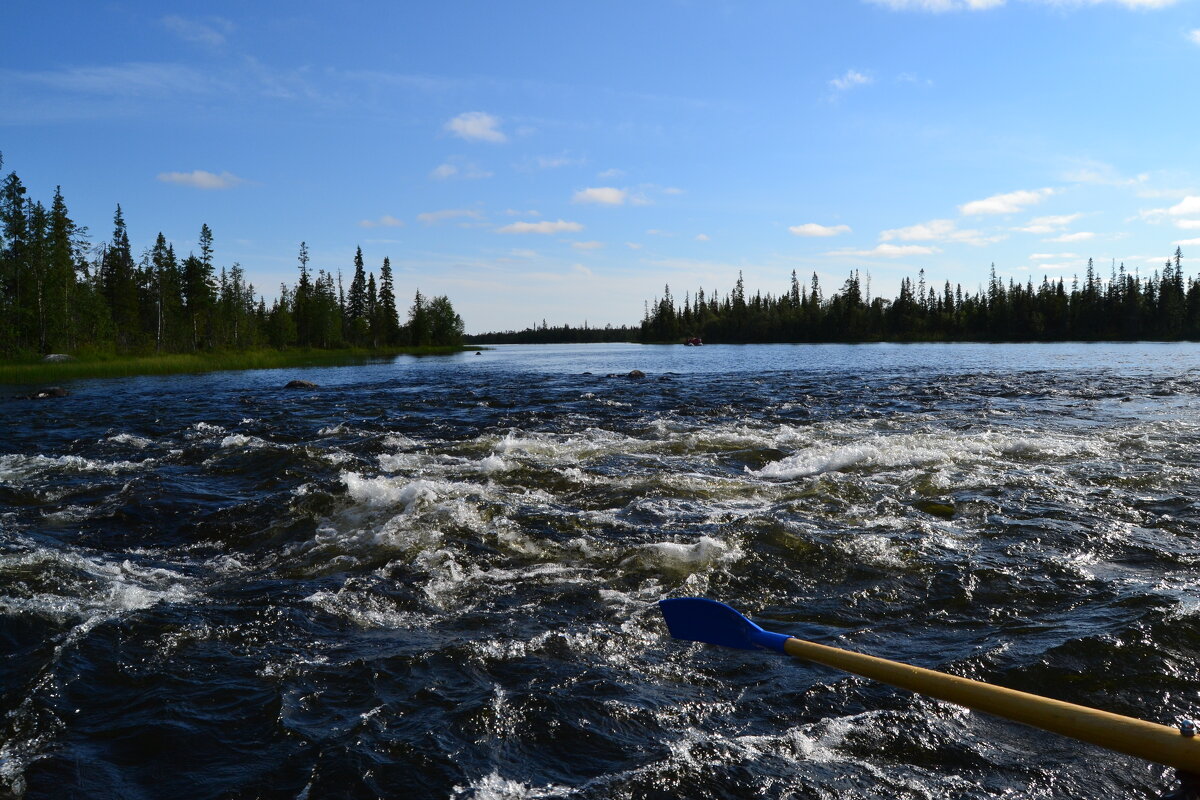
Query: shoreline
<point x="99" y="366"/>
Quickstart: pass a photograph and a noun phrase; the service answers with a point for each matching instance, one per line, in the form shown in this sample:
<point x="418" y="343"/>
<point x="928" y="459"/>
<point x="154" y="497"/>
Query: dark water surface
<point x="437" y="577"/>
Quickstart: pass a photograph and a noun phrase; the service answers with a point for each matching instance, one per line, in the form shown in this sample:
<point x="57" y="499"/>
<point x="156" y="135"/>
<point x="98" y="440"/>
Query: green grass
<point x="96" y="365"/>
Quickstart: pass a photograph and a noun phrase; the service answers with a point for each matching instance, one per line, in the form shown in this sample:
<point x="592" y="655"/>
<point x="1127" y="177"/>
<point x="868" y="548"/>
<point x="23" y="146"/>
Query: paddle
<point x="699" y="620"/>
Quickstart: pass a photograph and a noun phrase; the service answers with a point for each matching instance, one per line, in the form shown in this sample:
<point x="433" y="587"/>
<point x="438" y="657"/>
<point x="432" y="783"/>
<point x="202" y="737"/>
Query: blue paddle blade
<point x="697" y="619"/>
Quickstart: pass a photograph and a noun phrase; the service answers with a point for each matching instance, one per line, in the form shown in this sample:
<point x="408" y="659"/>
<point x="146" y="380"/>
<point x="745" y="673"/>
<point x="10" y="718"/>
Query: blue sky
<point x="565" y="160"/>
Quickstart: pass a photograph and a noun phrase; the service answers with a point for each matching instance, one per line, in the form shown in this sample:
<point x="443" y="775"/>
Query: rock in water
<point x="300" y="385"/>
<point x="936" y="508"/>
<point x="635" y="374"/>
<point x="43" y="394"/>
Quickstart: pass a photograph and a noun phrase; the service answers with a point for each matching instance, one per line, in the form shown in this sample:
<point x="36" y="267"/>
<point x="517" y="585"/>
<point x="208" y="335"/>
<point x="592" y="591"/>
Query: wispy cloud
<point x="890" y="251"/>
<point x="386" y="221"/>
<point x="938" y="6"/>
<point x="434" y="217"/>
<point x="814" y="229"/>
<point x="587" y="245"/>
<point x="601" y="195"/>
<point x="1009" y="203"/>
<point x="543" y="227"/>
<point x="1049" y="224"/>
<point x="941" y="6"/>
<point x="849" y="80"/>
<point x="202" y="179"/>
<point x="1079" y="236"/>
<point x="1194" y="36"/>
<point x="476" y="126"/>
<point x="211" y="33"/>
<point x="937" y="230"/>
<point x="462" y="170"/>
<point x="702" y="237"/>
<point x="132" y="79"/>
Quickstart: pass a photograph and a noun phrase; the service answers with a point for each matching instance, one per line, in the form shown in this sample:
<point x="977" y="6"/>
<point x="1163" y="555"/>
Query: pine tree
<point x="356" y="302"/>
<point x="387" y="305"/>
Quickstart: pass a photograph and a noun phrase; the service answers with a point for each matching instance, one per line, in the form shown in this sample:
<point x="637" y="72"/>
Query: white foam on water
<point x="495" y="787"/>
<point x="203" y="430"/>
<point x="17" y="469"/>
<point x="69" y="514"/>
<point x="702" y="554"/>
<point x="923" y="450"/>
<point x="872" y="549"/>
<point x="493" y="464"/>
<point x="100" y="588"/>
<point x="367" y="610"/>
<point x="242" y="442"/>
<point x="399" y="440"/>
<point x="384" y="491"/>
<point x="129" y="439"/>
<point x="400" y="462"/>
<point x="332" y="430"/>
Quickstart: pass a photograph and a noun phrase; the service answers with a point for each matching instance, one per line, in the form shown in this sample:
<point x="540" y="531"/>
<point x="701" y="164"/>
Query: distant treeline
<point x="1126" y="306"/>
<point x="58" y="293"/>
<point x="560" y="334"/>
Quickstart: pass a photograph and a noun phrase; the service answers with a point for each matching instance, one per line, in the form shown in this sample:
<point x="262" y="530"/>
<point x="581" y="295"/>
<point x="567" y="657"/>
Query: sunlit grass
<point x="113" y="366"/>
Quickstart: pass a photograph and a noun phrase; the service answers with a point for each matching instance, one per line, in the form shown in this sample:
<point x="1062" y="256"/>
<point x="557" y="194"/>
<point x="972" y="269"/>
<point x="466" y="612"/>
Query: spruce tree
<point x="387" y="304"/>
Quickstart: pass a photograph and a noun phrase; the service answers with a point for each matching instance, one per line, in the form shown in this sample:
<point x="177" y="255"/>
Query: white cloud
<point x="545" y="226"/>
<point x="587" y="245"/>
<point x="672" y="190"/>
<point x="814" y="229"/>
<point x="1080" y="236"/>
<point x="582" y="270"/>
<point x="1049" y="224"/>
<point x="476" y="126"/>
<point x="200" y="179"/>
<point x="1187" y="224"/>
<point x="937" y="230"/>
<point x="554" y="162"/>
<point x="890" y="251"/>
<point x="940" y="6"/>
<point x="702" y="237"/>
<point x="386" y="221"/>
<point x="849" y="80"/>
<point x="1008" y="203"/>
<point x="1188" y="242"/>
<point x="457" y="168"/>
<point x="1044" y="256"/>
<point x="601" y="195"/>
<point x="633" y="245"/>
<point x="433" y="217"/>
<point x="611" y="173"/>
<point x="1194" y="36"/>
<point x="192" y="30"/>
<point x="1188" y="206"/>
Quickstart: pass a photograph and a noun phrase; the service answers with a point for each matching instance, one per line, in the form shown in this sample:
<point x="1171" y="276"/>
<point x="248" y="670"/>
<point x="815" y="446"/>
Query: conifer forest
<point x="60" y="293"/>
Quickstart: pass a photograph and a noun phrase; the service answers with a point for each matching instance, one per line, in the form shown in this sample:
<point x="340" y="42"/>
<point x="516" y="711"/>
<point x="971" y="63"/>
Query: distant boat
<point x="694" y="342"/>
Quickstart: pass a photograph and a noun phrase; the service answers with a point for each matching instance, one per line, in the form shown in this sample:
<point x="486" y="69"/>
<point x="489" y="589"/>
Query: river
<point x="438" y="577"/>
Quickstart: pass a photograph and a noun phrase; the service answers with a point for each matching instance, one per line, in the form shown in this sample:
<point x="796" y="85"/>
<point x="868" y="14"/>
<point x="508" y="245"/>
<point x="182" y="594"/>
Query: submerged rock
<point x="636" y="374"/>
<point x="936" y="508"/>
<point x="300" y="385"/>
<point x="48" y="392"/>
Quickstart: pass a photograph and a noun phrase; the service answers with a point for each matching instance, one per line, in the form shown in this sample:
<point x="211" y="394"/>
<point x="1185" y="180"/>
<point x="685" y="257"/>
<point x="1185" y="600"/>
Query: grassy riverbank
<point x="99" y="365"/>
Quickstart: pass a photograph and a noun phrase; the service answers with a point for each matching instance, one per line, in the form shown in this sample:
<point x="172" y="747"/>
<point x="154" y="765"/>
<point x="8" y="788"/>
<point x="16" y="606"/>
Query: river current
<point x="437" y="577"/>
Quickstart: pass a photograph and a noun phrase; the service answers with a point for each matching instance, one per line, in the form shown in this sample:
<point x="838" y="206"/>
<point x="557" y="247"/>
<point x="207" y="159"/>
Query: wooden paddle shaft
<point x="1158" y="743"/>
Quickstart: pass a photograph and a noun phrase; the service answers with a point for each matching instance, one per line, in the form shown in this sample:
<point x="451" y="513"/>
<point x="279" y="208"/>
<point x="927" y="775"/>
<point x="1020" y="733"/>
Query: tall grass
<point x="112" y="366"/>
